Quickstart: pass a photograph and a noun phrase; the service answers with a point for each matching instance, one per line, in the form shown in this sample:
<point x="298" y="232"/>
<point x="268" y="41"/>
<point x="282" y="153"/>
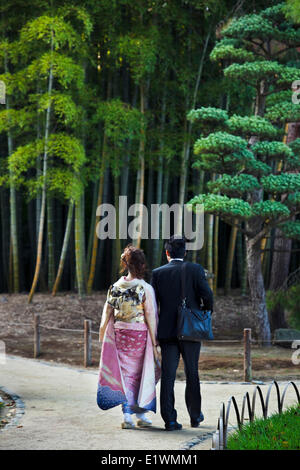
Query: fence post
<point x="87" y="343"/>
<point x="37" y="337"/>
<point x="247" y="355"/>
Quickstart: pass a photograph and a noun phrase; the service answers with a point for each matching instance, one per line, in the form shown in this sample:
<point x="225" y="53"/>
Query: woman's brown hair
<point x="134" y="260"/>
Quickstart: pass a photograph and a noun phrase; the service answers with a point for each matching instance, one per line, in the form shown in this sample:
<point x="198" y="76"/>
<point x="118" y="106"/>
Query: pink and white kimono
<point x="128" y="373"/>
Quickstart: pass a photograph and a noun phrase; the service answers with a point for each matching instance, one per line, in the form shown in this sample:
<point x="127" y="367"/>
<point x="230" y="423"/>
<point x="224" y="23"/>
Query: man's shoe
<point x="195" y="422"/>
<point x="173" y="426"/>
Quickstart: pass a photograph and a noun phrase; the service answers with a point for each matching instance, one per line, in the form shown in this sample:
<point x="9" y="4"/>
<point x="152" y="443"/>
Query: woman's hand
<point x="101" y="335"/>
<point x="156" y="354"/>
<point x="106" y="314"/>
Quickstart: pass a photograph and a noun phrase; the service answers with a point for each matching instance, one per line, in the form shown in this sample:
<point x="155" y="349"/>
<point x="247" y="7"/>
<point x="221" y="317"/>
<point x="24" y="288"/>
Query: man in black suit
<point x="166" y="282"/>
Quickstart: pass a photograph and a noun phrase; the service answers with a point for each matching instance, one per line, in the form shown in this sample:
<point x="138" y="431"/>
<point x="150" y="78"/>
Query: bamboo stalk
<point x="92" y="223"/>
<point x="51" y="265"/>
<point x="82" y="231"/>
<point x="64" y="248"/>
<point x="210" y="248"/>
<point x="97" y="218"/>
<point x="43" y="204"/>
<point x="78" y="248"/>
<point x="159" y="182"/>
<point x="230" y="256"/>
<point x="216" y="254"/>
<point x="188" y="130"/>
<point x="13" y="206"/>
<point x="140" y="183"/>
<point x="240" y="258"/>
<point x="117" y="242"/>
<point x="5" y="231"/>
<point x="92" y="266"/>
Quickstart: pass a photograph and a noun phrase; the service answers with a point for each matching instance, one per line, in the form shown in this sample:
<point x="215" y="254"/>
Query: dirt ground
<point x="221" y="359"/>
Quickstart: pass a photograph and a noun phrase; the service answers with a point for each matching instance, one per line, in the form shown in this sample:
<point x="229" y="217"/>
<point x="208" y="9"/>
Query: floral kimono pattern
<point x="127" y="372"/>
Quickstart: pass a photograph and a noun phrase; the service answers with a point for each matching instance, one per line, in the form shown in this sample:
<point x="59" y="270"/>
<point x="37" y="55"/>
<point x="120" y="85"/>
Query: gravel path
<point x="61" y="411"/>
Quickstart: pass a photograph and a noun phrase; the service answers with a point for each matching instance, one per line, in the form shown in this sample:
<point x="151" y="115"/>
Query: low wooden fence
<point x="87" y="336"/>
<point x="87" y="332"/>
<point x="87" y="349"/>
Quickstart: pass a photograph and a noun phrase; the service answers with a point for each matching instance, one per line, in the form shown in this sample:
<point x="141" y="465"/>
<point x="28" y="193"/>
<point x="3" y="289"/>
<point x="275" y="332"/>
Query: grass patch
<point x="278" y="432"/>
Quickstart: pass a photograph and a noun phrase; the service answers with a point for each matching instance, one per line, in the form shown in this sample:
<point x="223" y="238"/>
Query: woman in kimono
<point x="129" y="363"/>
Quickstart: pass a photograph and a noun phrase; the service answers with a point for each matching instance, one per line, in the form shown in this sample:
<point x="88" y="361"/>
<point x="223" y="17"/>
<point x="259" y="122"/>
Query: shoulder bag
<point x="192" y="324"/>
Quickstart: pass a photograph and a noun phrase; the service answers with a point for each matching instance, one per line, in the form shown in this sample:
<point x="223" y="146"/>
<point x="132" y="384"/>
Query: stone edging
<point x="20" y="408"/>
<point x="196" y="440"/>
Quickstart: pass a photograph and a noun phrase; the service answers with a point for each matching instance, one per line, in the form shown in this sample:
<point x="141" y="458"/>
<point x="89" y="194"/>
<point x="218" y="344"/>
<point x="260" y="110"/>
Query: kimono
<point x="128" y="373"/>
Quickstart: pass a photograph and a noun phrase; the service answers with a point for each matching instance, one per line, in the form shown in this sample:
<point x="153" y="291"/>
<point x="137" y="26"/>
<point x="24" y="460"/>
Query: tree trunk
<point x="92" y="222"/>
<point x="216" y="254"/>
<point x="43" y="203"/>
<point x="188" y="132"/>
<point x="38" y="199"/>
<point x="210" y="267"/>
<point x="64" y="248"/>
<point x="165" y="194"/>
<point x="183" y="169"/>
<point x="83" y="244"/>
<point x="230" y="257"/>
<point x="159" y="183"/>
<point x="257" y="288"/>
<point x="51" y="263"/>
<point x="245" y="276"/>
<point x="102" y="247"/>
<point x="240" y="257"/>
<point x="266" y="261"/>
<point x="140" y="182"/>
<point x="13" y="205"/>
<point x="200" y="190"/>
<point x="117" y="241"/>
<point x="99" y="202"/>
<point x="149" y="201"/>
<point x="79" y="247"/>
<point x="92" y="267"/>
<point x="5" y="232"/>
<point x="254" y="266"/>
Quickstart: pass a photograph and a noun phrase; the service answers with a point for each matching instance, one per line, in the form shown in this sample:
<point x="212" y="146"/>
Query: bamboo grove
<point x="178" y="101"/>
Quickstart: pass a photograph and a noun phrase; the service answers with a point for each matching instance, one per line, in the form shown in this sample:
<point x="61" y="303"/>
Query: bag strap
<point x="183" y="268"/>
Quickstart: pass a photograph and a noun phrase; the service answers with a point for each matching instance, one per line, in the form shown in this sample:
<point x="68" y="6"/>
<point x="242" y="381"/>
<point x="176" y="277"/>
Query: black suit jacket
<point x="166" y="282"/>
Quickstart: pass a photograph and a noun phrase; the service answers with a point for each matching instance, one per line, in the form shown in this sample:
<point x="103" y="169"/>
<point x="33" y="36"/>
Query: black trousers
<point x="170" y="352"/>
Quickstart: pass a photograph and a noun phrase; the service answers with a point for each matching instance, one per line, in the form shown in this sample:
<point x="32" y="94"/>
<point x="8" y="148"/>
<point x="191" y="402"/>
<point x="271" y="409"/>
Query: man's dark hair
<point x="176" y="247"/>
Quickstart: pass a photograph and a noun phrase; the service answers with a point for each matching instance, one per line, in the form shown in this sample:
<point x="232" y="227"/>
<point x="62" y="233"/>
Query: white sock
<point x="128" y="418"/>
<point x="142" y="416"/>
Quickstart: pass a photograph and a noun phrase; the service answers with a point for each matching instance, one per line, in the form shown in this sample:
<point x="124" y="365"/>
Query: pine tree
<point x="244" y="149"/>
